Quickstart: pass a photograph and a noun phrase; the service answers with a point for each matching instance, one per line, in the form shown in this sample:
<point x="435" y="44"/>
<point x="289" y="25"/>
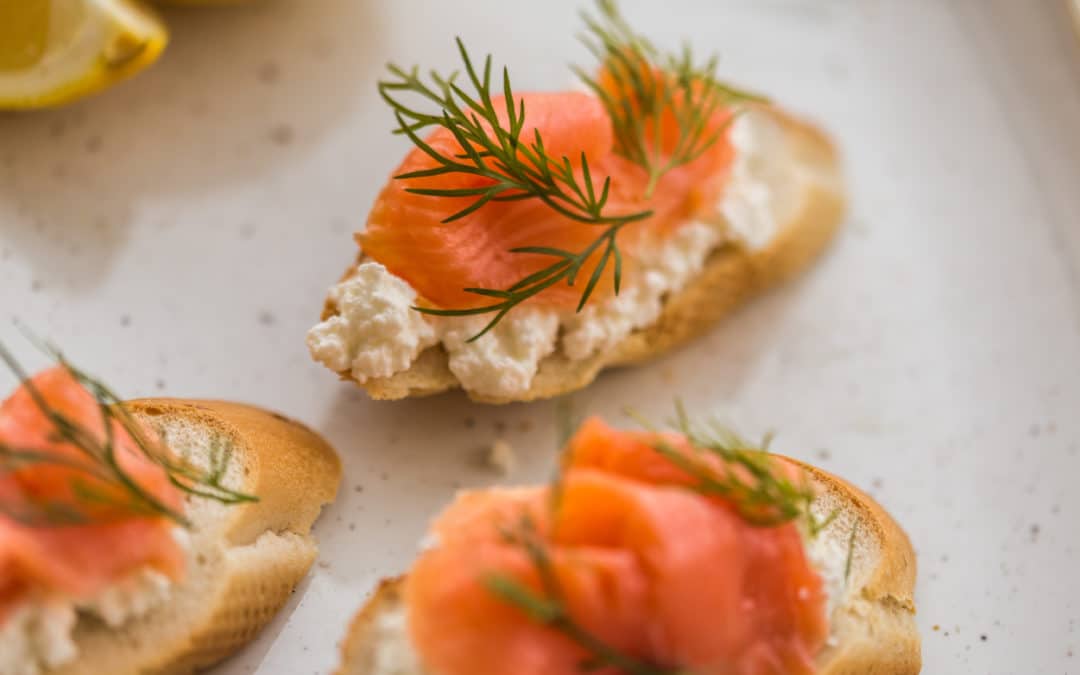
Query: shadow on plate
<point x="240" y="91"/>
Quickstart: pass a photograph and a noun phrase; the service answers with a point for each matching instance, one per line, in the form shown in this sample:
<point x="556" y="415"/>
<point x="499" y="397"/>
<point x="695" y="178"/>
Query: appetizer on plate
<point x="530" y="240"/>
<point x="688" y="553"/>
<point x="156" y="536"/>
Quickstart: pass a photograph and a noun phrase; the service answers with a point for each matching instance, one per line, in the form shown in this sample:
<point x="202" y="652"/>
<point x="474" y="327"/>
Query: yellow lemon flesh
<point x="55" y="51"/>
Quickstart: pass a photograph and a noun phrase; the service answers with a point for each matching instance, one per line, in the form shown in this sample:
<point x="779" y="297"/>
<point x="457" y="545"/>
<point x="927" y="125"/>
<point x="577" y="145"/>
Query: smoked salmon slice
<point x="654" y="570"/>
<point x="407" y="232"/>
<point x="63" y="529"/>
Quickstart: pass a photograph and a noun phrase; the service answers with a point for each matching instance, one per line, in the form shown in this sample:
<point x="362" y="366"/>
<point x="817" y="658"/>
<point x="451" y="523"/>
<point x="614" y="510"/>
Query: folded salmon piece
<point x="64" y="531"/>
<point x="656" y="571"/>
<point x="407" y="234"/>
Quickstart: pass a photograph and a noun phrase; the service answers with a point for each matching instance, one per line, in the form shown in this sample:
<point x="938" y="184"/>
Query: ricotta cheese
<point x="393" y="650"/>
<point x="829" y="556"/>
<point x="752" y="196"/>
<point x="38" y="634"/>
<point x="503" y="361"/>
<point x="130" y="598"/>
<point x="377" y="333"/>
<point x="663" y="268"/>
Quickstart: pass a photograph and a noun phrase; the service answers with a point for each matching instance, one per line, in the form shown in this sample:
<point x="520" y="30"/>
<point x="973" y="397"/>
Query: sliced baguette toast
<point x="733" y="273"/>
<point x="243" y="561"/>
<point x="873" y="628"/>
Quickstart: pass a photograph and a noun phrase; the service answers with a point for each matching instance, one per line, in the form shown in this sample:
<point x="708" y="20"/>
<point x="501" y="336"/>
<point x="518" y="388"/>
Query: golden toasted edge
<point x="732" y="275"/>
<point x="894" y="576"/>
<point x="358" y="646"/>
<point x="890" y="644"/>
<point x="292" y="469"/>
<point x="877" y="634"/>
<point x="295" y="472"/>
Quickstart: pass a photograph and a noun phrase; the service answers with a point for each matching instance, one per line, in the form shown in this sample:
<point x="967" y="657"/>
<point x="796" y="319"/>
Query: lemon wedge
<point x="55" y="51"/>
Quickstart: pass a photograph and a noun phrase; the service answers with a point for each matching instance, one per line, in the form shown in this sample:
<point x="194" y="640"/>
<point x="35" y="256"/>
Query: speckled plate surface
<point x="177" y="234"/>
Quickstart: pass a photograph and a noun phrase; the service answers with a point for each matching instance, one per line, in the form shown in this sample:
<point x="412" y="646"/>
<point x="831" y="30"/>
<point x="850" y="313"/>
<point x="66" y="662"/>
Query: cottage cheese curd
<point x="752" y="196"/>
<point x="377" y="334"/>
<point x="38" y="635"/>
<point x="829" y="556"/>
<point x="504" y="361"/>
<point x="663" y="268"/>
<point x="393" y="650"/>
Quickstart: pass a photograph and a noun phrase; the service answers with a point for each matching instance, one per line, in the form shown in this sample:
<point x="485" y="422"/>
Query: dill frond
<point x="644" y="91"/>
<point x="98" y="477"/>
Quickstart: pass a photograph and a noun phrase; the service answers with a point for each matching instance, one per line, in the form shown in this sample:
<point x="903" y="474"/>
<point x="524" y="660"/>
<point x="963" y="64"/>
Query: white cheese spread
<point x="393" y="650"/>
<point x="130" y="598"/>
<point x="376" y="333"/>
<point x="829" y="556"/>
<point x="503" y="361"/>
<point x="751" y="202"/>
<point x="663" y="268"/>
<point x="38" y="634"/>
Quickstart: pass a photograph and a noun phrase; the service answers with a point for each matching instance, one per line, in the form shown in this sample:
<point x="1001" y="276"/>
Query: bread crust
<point x="242" y="567"/>
<point x="732" y="275"/>
<point x="357" y="649"/>
<point x="874" y="628"/>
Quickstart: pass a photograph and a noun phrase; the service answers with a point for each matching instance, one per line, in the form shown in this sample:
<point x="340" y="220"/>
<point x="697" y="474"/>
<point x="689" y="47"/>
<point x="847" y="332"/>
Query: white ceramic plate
<point x="177" y="235"/>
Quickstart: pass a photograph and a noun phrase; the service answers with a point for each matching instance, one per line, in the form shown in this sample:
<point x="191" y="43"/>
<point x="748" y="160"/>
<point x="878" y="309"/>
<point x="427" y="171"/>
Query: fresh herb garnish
<point x="748" y="476"/>
<point x="548" y="607"/>
<point x="492" y="149"/>
<point x="646" y="89"/>
<point x="514" y="169"/>
<point x="850" y="552"/>
<point x="99" y="477"/>
<point x="642" y="88"/>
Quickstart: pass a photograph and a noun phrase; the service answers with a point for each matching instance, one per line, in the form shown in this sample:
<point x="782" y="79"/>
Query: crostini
<point x="531" y="240"/>
<point x="150" y="537"/>
<point x="686" y="553"/>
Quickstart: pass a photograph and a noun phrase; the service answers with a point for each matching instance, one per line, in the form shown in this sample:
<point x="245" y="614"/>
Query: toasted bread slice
<point x="872" y="573"/>
<point x="812" y="210"/>
<point x="243" y="561"/>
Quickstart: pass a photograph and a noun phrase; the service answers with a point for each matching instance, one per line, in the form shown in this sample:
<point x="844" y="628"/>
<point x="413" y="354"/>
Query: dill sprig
<point x="512" y="168"/>
<point x="98" y="472"/>
<point x="761" y="491"/>
<point x="850" y="552"/>
<point x="548" y="607"/>
<point x="750" y="479"/>
<point x="643" y="88"/>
